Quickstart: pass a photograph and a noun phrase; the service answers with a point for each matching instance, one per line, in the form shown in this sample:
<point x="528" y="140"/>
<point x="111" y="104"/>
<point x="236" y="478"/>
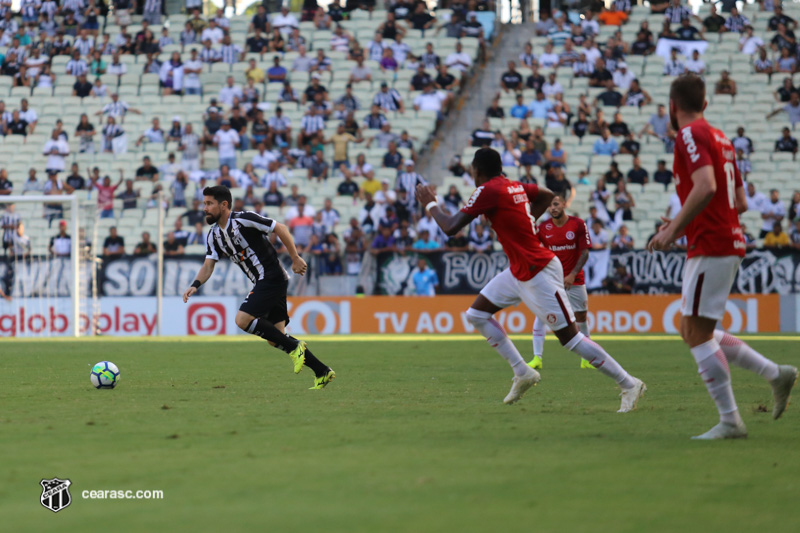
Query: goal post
<point x="74" y="279"/>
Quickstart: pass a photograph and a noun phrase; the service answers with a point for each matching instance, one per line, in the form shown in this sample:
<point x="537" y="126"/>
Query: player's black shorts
<point x="267" y="299"/>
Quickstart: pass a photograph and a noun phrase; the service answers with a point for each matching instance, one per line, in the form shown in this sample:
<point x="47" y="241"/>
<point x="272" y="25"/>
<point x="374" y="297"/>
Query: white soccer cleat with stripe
<point x="521" y="384"/>
<point x="723" y="430"/>
<point x="630" y="397"/>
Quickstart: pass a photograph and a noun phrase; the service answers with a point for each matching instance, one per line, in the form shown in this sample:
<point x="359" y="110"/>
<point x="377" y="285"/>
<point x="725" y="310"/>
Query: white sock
<point x="712" y="365"/>
<point x="740" y="354"/>
<point x="497" y="338"/>
<point x="599" y="358"/>
<point x="583" y="327"/>
<point x="539" y="330"/>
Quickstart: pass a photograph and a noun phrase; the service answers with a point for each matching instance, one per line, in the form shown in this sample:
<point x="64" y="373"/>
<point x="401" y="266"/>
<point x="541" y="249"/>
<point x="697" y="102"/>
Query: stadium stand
<point x="42" y="90"/>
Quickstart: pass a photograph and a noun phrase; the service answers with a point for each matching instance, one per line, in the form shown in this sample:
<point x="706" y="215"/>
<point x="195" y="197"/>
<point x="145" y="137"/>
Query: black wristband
<point x="196" y="284"/>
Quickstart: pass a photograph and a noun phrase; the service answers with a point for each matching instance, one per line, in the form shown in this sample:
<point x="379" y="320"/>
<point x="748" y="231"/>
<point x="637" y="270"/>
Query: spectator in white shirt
<point x="273" y="175"/>
<point x="153" y="134"/>
<point x="56" y="149"/>
<point x="191" y="74"/>
<point x="458" y="60"/>
<point x="212" y="33"/>
<point x="551" y="87"/>
<point x="695" y="64"/>
<point x="229" y="92"/>
<point x="226" y="140"/>
<point x="623" y="77"/>
<point x="28" y="115"/>
<point x="772" y="211"/>
<point x="284" y="21"/>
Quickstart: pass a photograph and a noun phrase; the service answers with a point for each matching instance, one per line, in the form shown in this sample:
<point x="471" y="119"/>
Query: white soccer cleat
<point x="723" y="430"/>
<point x="630" y="397"/>
<point x="782" y="389"/>
<point x="521" y="385"/>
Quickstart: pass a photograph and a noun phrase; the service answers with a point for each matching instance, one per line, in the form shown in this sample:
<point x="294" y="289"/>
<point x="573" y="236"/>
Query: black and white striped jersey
<point x="244" y="241"/>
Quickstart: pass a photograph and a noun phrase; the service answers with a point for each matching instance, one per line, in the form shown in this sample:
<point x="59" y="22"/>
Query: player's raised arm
<point x="450" y="224"/>
<point x="298" y="265"/>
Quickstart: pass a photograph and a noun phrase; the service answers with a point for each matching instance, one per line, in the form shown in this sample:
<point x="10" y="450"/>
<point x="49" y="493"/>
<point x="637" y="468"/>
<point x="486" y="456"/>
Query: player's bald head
<point x="486" y="164"/>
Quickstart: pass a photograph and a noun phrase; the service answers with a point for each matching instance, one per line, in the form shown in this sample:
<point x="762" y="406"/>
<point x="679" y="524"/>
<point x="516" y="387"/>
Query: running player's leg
<point x="706" y="284"/>
<point x="579" y="300"/>
<point x="499" y="293"/>
<point x="781" y="377"/>
<point x="544" y="294"/>
<point x="539" y="330"/>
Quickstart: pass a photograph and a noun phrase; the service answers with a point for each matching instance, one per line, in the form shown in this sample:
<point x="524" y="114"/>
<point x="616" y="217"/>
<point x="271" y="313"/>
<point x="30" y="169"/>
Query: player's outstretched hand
<point x="663" y="239"/>
<point x="569" y="281"/>
<point x="189" y="292"/>
<point x="426" y="194"/>
<point x="299" y="266"/>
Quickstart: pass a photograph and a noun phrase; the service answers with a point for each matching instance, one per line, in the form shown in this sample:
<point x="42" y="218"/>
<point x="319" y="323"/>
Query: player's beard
<point x="673" y="121"/>
<point x="211" y="219"/>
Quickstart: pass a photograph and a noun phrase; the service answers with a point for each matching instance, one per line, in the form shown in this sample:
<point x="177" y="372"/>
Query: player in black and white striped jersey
<point x="242" y="236"/>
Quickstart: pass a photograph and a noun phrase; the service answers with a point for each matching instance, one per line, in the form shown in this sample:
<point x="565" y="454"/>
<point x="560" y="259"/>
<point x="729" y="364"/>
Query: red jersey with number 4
<point x="507" y="204"/>
<point x="715" y="231"/>
<point x="567" y="242"/>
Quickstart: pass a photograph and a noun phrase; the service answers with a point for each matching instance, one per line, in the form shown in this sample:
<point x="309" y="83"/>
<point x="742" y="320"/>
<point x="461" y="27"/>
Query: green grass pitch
<point x="412" y="437"/>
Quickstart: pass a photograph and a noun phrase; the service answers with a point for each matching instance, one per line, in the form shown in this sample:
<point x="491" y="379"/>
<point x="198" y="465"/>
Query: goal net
<point x="49" y="266"/>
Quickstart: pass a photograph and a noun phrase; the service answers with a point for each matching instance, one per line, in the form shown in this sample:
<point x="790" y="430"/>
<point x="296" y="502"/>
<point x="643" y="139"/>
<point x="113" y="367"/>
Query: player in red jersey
<point x="712" y="197"/>
<point x="567" y="237"/>
<point x="534" y="277"/>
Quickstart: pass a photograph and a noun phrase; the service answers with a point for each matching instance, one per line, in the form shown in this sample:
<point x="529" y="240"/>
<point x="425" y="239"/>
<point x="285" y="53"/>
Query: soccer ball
<point x="105" y="375"/>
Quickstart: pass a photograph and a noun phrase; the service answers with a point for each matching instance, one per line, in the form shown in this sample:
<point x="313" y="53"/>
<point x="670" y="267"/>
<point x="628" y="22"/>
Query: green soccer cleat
<point x="298" y="356"/>
<point x="536" y="362"/>
<point x="321" y="381"/>
<point x="585" y="363"/>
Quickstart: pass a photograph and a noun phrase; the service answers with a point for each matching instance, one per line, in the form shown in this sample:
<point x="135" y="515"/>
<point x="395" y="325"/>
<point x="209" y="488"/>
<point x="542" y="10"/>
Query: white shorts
<point x="707" y="283"/>
<point x="543" y="294"/>
<point x="578" y="298"/>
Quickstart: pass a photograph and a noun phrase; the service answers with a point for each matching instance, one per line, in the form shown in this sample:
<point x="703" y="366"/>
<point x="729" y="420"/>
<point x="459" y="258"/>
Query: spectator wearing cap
<point x="176" y="130"/>
<point x="786" y="143"/>
<point x="314" y="87"/>
<point x="226" y="140"/>
<point x="389" y="99"/>
<point x="623" y="77"/>
<point x="212" y="124"/>
<point x="117" y="108"/>
<point x="61" y="244"/>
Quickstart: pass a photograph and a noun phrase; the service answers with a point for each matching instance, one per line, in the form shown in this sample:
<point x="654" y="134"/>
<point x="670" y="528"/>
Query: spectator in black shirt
<point x="535" y="80"/>
<point x="559" y="184"/>
<point x="421" y="19"/>
<point x="260" y="20"/>
<point x="787" y="143"/>
<point x="129" y="195"/>
<point x="348" y="187"/>
<point x="75" y="180"/>
<point x="580" y="126"/>
<point x="630" y="145"/>
<point x="114" y="244"/>
<point x="609" y="97"/>
<point x="147" y="171"/>
<point x="642" y="46"/>
<point x="618" y="127"/>
<point x="613" y="176"/>
<point x="495" y="111"/>
<point x="421" y="79"/>
<point x="392" y="158"/>
<point x="444" y="80"/>
<point x="687" y="32"/>
<point x="781" y="18"/>
<point x="172" y="246"/>
<point x="601" y="75"/>
<point x="257" y="44"/>
<point x="785" y="91"/>
<point x="81" y="88"/>
<point x="714" y="22"/>
<point x="662" y="175"/>
<point x="195" y="214"/>
<point x="17" y="126"/>
<point x="637" y="174"/>
<point x="511" y="80"/>
<point x="273" y="197"/>
<point x="482" y="136"/>
<point x="146" y="247"/>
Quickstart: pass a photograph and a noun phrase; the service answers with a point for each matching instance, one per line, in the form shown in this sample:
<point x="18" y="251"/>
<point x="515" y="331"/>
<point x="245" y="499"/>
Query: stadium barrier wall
<point x="762" y="272"/>
<point x="136" y="316"/>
